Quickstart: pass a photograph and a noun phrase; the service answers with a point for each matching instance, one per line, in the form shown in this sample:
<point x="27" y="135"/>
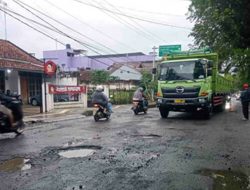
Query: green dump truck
<point x="191" y="83"/>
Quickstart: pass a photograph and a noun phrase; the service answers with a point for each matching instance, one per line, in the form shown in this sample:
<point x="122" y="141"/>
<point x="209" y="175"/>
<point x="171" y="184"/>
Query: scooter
<point x="17" y="112"/>
<point x="100" y="112"/>
<point x="138" y="106"/>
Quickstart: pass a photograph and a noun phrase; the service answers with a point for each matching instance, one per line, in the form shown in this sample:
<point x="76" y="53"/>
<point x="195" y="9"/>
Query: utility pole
<point x="153" y="73"/>
<point x="154" y="54"/>
<point x="4" y="4"/>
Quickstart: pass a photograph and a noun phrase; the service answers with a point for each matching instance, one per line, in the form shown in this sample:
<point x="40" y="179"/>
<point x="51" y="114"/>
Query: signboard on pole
<point x="167" y="49"/>
<point x="50" y="68"/>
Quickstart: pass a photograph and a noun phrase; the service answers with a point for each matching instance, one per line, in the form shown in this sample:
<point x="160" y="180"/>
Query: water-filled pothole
<point x="78" y="151"/>
<point x="227" y="179"/>
<point x="15" y="164"/>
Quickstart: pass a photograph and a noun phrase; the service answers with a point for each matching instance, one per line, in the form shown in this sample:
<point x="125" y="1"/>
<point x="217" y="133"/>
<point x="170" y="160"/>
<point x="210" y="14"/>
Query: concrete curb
<point x="52" y="120"/>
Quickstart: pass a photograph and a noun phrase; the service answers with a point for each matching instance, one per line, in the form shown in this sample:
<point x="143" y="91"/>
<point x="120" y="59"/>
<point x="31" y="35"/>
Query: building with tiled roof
<point x="20" y="72"/>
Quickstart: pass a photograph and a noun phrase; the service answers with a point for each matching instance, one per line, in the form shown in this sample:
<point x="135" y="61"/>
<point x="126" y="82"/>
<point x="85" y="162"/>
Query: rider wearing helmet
<point x="100" y="98"/>
<point x="139" y="96"/>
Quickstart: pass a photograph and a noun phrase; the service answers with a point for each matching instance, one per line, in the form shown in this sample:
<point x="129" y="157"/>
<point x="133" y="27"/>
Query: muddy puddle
<point x="15" y="164"/>
<point x="227" y="179"/>
<point x="78" y="151"/>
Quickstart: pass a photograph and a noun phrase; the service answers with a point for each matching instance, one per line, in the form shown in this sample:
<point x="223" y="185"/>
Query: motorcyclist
<point x="100" y="98"/>
<point x="5" y="110"/>
<point x="139" y="96"/>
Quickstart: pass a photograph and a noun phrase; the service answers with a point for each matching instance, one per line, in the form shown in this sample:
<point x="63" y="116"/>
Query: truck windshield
<point x="189" y="70"/>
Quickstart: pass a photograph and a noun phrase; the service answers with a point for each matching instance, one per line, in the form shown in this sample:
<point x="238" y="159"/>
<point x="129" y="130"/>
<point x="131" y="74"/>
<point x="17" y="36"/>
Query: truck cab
<point x="190" y="84"/>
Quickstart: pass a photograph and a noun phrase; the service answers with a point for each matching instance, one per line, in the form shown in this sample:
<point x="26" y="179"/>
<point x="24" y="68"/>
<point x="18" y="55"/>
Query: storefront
<point x="20" y="72"/>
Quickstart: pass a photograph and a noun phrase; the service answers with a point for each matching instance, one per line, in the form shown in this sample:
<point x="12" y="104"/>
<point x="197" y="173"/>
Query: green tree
<point x="99" y="77"/>
<point x="224" y="26"/>
<point x="149" y="85"/>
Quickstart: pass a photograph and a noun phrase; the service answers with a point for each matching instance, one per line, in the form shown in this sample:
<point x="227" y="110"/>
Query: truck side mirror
<point x="209" y="72"/>
<point x="209" y="64"/>
<point x="154" y="71"/>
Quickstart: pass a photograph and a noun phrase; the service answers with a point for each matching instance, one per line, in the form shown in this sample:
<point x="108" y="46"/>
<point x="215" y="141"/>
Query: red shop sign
<point x="54" y="89"/>
<point x="50" y="68"/>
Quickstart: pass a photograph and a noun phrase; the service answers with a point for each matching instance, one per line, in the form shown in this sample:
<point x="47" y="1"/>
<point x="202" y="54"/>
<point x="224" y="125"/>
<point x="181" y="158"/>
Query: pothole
<point x="78" y="151"/>
<point x="149" y="136"/>
<point x="227" y="179"/>
<point x="15" y="164"/>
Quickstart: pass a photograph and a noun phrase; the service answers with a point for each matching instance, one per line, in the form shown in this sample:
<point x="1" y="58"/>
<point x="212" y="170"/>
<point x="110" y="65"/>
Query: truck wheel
<point x="208" y="111"/>
<point x="164" y="112"/>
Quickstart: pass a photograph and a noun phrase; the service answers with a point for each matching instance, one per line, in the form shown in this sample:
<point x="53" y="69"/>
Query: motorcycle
<point x="100" y="112"/>
<point x="6" y="125"/>
<point x="138" y="106"/>
<point x="14" y="95"/>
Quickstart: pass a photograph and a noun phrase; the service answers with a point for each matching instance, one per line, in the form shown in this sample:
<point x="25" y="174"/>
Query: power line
<point x="121" y="43"/>
<point x="30" y="26"/>
<point x="63" y="33"/>
<point x="150" y="12"/>
<point x="54" y="29"/>
<point x="124" y="22"/>
<point x="133" y="17"/>
<point x="88" y="46"/>
<point x="136" y="23"/>
<point x="25" y="23"/>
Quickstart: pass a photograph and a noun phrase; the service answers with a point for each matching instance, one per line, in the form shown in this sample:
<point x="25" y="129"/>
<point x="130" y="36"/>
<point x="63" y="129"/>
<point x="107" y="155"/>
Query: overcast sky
<point x="99" y="26"/>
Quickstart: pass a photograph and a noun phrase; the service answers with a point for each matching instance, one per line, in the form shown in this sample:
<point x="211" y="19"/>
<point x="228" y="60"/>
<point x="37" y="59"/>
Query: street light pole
<point x="5" y="23"/>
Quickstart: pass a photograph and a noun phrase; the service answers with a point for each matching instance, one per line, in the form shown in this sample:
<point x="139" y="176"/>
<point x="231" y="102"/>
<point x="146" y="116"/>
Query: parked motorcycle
<point x="100" y="112"/>
<point x="138" y="106"/>
<point x="14" y="95"/>
<point x="6" y="125"/>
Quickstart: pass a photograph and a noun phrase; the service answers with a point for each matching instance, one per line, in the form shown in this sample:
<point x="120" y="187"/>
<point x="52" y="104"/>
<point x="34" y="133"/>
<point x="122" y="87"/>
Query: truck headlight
<point x="159" y="101"/>
<point x="202" y="100"/>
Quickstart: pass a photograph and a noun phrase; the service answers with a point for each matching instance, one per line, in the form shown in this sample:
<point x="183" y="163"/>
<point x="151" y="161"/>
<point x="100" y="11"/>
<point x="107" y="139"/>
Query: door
<point x="24" y="89"/>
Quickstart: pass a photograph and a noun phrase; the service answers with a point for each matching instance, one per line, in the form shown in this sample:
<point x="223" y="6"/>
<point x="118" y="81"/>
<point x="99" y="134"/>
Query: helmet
<point x="245" y="86"/>
<point x="99" y="88"/>
<point x="140" y="89"/>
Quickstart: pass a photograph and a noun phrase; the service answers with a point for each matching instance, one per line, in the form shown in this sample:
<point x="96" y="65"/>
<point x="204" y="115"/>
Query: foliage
<point x="149" y="85"/>
<point x="113" y="78"/>
<point x="99" y="77"/>
<point x="121" y="96"/>
<point x="224" y="26"/>
<point x="242" y="61"/>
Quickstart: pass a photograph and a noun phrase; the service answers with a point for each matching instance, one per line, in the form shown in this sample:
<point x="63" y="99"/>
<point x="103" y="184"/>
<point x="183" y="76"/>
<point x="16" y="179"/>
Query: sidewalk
<point x="57" y="115"/>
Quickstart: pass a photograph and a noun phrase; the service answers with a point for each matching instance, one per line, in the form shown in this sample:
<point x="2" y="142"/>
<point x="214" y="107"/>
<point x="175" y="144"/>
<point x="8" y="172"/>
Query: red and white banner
<point x="55" y="89"/>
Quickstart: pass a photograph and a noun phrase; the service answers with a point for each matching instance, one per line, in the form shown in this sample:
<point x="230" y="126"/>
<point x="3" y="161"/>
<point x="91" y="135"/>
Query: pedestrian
<point x="245" y="99"/>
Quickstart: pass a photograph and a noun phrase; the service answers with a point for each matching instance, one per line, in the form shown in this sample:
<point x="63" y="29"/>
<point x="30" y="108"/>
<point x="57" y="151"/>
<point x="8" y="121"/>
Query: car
<point x="35" y="100"/>
<point x="61" y="97"/>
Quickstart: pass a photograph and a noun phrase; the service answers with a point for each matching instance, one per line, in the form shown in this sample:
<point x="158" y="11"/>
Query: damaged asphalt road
<point x="130" y="152"/>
